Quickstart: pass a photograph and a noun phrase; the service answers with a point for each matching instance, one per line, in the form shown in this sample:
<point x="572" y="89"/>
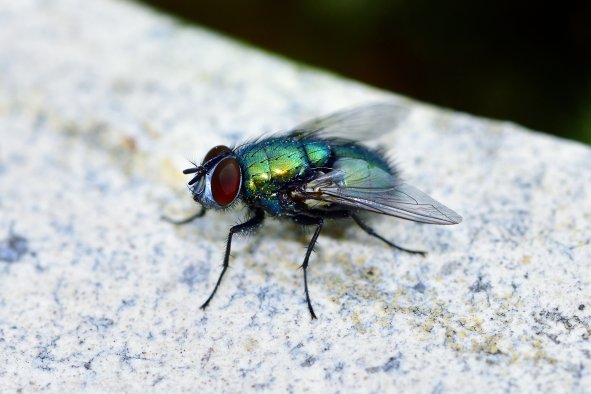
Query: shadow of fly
<point x="319" y="170"/>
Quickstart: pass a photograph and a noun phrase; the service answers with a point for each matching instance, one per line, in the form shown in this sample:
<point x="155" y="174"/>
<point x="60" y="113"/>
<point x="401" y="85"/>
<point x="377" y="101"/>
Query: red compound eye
<point x="215" y="151"/>
<point x="225" y="181"/>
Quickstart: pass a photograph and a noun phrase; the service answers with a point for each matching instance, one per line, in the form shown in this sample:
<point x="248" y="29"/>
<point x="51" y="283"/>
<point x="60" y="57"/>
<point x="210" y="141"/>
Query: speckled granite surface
<point x="101" y="105"/>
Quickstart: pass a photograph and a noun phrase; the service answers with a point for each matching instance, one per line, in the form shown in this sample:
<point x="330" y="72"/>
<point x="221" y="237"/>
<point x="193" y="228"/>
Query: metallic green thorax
<point x="271" y="164"/>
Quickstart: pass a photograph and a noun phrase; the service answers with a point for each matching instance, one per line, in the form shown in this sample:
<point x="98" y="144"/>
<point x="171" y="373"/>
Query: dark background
<point x="529" y="63"/>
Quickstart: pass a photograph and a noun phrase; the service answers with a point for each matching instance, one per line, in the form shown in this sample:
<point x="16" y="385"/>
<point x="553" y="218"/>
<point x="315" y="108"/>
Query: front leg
<point x="318" y="221"/>
<point x="184" y="221"/>
<point x="250" y="224"/>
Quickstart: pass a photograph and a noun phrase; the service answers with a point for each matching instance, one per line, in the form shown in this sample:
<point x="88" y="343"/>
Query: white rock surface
<point x="101" y="105"/>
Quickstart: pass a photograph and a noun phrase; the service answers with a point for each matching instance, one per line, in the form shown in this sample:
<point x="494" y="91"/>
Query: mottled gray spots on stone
<point x="194" y="274"/>
<point x="45" y="358"/>
<point x="438" y="389"/>
<point x="262" y="293"/>
<point x="99" y="323"/>
<point x="480" y="286"/>
<point x="334" y="371"/>
<point x="126" y="304"/>
<point x="126" y="358"/>
<point x="420" y="287"/>
<point x="450" y="267"/>
<point x="393" y="363"/>
<point x="309" y="361"/>
<point x="13" y="248"/>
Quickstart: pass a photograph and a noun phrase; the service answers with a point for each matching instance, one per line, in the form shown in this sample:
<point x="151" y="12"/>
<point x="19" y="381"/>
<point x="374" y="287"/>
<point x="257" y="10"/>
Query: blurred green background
<point x="528" y="62"/>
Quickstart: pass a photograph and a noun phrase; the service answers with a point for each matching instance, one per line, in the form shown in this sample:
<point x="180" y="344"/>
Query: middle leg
<point x="318" y="221"/>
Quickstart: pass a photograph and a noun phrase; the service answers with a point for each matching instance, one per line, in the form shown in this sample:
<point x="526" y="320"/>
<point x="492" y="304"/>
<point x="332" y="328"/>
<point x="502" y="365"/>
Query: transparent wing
<point x="354" y="183"/>
<point x="370" y="121"/>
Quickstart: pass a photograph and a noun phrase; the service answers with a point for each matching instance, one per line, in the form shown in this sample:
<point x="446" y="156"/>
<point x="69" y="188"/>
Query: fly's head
<point x="217" y="181"/>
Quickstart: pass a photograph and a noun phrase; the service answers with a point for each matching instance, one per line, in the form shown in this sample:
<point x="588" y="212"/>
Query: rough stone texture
<point x="101" y="105"/>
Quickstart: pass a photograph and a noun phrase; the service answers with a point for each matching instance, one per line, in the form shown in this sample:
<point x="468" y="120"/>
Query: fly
<point x="316" y="171"/>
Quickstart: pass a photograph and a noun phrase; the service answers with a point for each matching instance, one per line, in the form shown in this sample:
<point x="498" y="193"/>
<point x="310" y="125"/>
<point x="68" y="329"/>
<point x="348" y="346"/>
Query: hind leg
<point x="372" y="232"/>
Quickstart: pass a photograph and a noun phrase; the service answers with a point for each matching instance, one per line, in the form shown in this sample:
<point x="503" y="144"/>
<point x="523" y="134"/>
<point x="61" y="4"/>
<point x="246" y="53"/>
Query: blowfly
<point x="316" y="171"/>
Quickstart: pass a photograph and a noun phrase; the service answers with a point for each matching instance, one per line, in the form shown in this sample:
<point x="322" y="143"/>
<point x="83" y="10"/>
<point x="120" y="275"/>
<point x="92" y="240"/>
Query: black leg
<point x="309" y="221"/>
<point x="184" y="221"/>
<point x="239" y="228"/>
<point x="371" y="232"/>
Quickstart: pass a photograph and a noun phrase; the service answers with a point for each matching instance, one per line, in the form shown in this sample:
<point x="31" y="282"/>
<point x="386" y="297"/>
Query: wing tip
<point x="453" y="218"/>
